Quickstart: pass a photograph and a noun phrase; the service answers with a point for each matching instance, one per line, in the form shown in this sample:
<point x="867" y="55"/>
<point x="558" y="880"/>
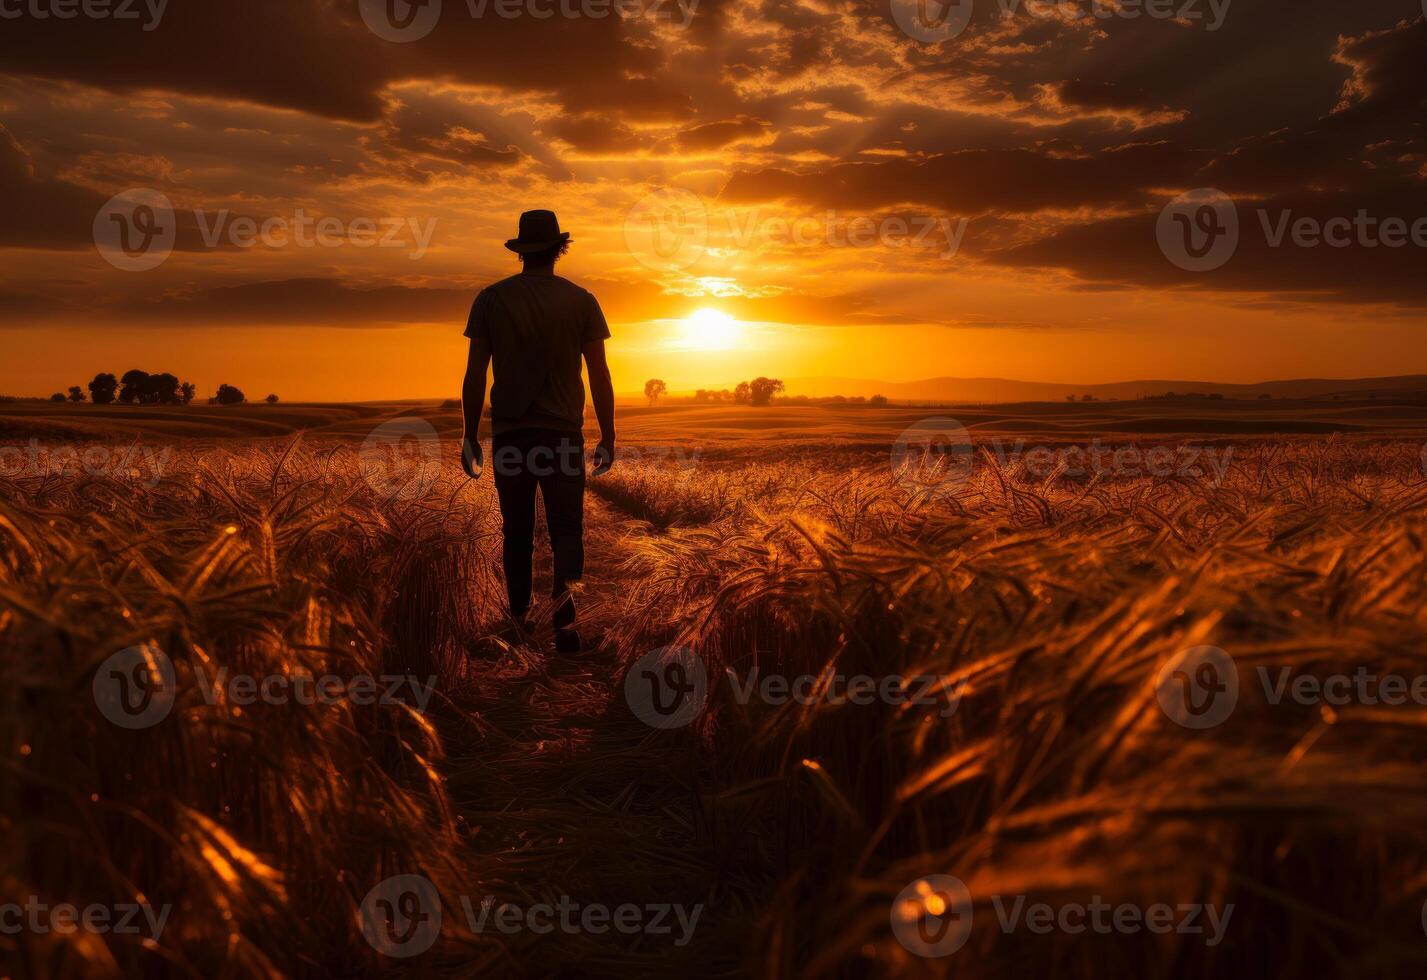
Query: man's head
<point x="541" y="241"/>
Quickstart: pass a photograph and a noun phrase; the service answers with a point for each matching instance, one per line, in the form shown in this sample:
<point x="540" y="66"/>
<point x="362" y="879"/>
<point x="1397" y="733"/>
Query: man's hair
<point x="546" y="256"/>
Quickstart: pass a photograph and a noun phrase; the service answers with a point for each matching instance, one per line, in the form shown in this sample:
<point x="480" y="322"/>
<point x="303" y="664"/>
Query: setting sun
<point x="709" y="329"/>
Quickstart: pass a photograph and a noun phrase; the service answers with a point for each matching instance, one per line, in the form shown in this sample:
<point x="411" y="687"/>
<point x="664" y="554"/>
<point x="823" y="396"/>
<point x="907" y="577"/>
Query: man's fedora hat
<point x="538" y="231"/>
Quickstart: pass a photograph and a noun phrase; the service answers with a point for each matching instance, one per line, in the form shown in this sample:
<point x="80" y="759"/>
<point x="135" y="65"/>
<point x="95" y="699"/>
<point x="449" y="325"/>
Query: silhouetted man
<point x="534" y="327"/>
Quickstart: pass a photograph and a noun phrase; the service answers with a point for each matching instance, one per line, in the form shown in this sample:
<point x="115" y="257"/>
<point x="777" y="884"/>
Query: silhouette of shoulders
<point x="525" y="281"/>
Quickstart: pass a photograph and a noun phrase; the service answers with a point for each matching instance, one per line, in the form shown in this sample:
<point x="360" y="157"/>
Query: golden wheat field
<point x="1036" y="706"/>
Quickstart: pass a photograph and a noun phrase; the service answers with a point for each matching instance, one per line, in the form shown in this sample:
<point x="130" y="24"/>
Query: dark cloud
<point x="1125" y="251"/>
<point x="318" y="302"/>
<point x="980" y="181"/>
<point x="716" y="135"/>
<point x="41" y="212"/>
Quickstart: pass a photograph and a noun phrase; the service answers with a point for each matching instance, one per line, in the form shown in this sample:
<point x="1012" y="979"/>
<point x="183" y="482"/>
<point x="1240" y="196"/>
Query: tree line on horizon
<point x="142" y="388"/>
<point x="759" y="393"/>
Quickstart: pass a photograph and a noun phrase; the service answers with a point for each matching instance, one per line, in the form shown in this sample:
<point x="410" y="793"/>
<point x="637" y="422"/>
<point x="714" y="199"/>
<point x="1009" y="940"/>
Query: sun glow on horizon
<point x="709" y="329"/>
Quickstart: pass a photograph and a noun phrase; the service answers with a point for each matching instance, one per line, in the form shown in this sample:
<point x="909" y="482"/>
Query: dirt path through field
<point x="567" y="794"/>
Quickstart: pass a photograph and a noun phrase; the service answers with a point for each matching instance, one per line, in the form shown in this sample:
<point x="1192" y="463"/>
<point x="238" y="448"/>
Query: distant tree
<point x="271" y="399"/>
<point x="102" y="389"/>
<point x="653" y="388"/>
<point x="743" y="393"/>
<point x="1265" y="397"/>
<point x="134" y="383"/>
<point x="1087" y="398"/>
<point x="162" y="389"/>
<point x="762" y="390"/>
<point x="143" y="388"/>
<point x="877" y="401"/>
<point x="76" y="394"/>
<point x="1070" y="398"/>
<point x="702" y="395"/>
<point x="186" y="391"/>
<point x="57" y="397"/>
<point x="228" y="395"/>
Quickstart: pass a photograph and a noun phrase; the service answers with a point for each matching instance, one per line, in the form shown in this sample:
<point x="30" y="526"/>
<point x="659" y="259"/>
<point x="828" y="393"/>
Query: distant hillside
<point x="1006" y="390"/>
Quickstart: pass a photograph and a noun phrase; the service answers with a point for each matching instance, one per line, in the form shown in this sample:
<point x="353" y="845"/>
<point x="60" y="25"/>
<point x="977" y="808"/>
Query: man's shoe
<point x="567" y="641"/>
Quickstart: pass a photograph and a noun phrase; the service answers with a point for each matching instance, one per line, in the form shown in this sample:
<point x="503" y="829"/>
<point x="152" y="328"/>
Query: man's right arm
<point x="602" y="393"/>
<point x="473" y="403"/>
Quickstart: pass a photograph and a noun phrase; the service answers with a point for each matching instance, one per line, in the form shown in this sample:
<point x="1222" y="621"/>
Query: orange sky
<point x="862" y="202"/>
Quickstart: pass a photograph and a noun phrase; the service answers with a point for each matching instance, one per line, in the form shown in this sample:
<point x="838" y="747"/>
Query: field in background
<point x="1046" y="593"/>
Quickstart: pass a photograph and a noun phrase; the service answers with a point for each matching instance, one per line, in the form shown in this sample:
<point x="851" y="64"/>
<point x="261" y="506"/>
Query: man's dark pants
<point x="553" y="461"/>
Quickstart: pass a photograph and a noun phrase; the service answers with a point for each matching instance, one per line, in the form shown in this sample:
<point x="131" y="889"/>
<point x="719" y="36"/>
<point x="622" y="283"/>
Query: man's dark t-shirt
<point x="536" y="325"/>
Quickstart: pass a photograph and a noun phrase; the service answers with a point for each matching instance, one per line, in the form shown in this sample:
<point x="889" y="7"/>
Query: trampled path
<point x="568" y="795"/>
